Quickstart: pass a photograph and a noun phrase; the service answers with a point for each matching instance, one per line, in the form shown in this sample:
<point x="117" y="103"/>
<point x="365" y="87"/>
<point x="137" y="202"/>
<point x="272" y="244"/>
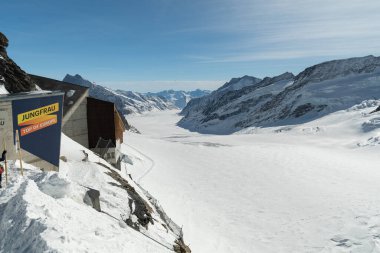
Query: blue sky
<point x="150" y="45"/>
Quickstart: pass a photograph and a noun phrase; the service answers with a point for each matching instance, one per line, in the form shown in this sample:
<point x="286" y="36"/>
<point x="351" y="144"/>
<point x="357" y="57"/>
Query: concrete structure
<point x="74" y="107"/>
<point x="76" y="126"/>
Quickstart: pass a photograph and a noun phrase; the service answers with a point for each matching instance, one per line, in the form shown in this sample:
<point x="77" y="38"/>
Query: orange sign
<point x="41" y="125"/>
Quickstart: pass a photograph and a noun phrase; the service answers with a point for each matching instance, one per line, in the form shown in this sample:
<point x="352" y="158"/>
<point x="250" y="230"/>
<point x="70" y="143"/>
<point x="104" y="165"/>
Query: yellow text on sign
<point x="36" y="115"/>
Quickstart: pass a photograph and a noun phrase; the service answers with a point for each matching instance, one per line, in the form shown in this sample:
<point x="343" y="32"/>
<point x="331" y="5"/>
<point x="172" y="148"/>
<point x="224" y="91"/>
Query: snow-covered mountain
<point x="286" y="99"/>
<point x="180" y="98"/>
<point x="127" y="102"/>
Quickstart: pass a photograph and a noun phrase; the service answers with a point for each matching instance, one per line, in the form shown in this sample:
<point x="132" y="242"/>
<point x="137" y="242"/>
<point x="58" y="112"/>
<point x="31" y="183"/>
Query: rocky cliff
<point x="12" y="78"/>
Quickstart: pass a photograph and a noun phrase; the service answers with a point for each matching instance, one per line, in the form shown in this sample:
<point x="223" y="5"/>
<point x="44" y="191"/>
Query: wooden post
<point x="18" y="146"/>
<point x="5" y="163"/>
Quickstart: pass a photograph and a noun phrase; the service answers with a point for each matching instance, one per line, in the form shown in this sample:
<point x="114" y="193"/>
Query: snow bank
<point x="2" y="88"/>
<point x="45" y="211"/>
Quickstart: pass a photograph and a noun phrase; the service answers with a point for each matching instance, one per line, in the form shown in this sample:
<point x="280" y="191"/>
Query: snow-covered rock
<point x="285" y="99"/>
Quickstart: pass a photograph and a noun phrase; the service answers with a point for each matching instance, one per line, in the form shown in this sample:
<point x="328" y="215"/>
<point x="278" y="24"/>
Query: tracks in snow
<point x="153" y="163"/>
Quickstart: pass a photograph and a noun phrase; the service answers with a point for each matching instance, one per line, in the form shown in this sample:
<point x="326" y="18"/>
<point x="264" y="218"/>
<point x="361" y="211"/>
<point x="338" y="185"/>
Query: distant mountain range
<point x="128" y="102"/>
<point x="180" y="98"/>
<point x="285" y="99"/>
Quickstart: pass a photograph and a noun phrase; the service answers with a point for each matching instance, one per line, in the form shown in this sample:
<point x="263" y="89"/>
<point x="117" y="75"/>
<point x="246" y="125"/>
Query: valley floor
<point x="308" y="188"/>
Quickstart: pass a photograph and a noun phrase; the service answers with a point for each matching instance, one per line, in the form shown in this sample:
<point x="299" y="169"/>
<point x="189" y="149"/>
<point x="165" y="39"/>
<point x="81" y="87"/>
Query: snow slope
<point x="45" y="211"/>
<point x="311" y="187"/>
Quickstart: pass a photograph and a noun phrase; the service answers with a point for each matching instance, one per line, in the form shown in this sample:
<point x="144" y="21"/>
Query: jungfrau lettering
<point x="38" y="113"/>
<point x="34" y="115"/>
<point x="37" y="119"/>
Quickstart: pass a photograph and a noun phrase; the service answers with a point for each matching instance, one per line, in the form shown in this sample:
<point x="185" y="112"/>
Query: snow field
<point x="301" y="188"/>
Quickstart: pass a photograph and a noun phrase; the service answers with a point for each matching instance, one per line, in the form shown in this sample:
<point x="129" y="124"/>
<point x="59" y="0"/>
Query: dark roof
<point x="73" y="92"/>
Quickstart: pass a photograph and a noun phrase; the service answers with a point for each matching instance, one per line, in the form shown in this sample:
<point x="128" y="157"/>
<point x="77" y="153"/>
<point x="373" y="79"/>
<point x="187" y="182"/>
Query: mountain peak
<point x="78" y="76"/>
<point x="284" y="76"/>
<point x="77" y="79"/>
<point x="239" y="83"/>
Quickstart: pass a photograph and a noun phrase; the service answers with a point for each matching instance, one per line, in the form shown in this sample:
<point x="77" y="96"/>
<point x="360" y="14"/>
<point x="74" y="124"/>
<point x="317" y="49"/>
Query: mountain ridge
<point x="180" y="98"/>
<point x="129" y="102"/>
<point x="286" y="99"/>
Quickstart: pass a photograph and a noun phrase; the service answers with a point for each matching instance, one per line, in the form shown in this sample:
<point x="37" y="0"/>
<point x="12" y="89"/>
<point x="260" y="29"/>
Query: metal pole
<point x="19" y="151"/>
<point x="5" y="163"/>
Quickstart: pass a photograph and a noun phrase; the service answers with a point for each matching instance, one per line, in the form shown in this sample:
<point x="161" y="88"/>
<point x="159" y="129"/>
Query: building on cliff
<point x="93" y="123"/>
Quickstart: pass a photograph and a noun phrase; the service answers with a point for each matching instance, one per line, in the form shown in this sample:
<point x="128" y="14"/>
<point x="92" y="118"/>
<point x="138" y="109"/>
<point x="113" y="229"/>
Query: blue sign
<point x="39" y="122"/>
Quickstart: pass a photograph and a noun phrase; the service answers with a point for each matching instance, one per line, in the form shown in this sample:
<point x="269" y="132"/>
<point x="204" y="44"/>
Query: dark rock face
<point x="181" y="247"/>
<point x="3" y="41"/>
<point x="92" y="199"/>
<point x="302" y="110"/>
<point x="11" y="75"/>
<point x="376" y="110"/>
